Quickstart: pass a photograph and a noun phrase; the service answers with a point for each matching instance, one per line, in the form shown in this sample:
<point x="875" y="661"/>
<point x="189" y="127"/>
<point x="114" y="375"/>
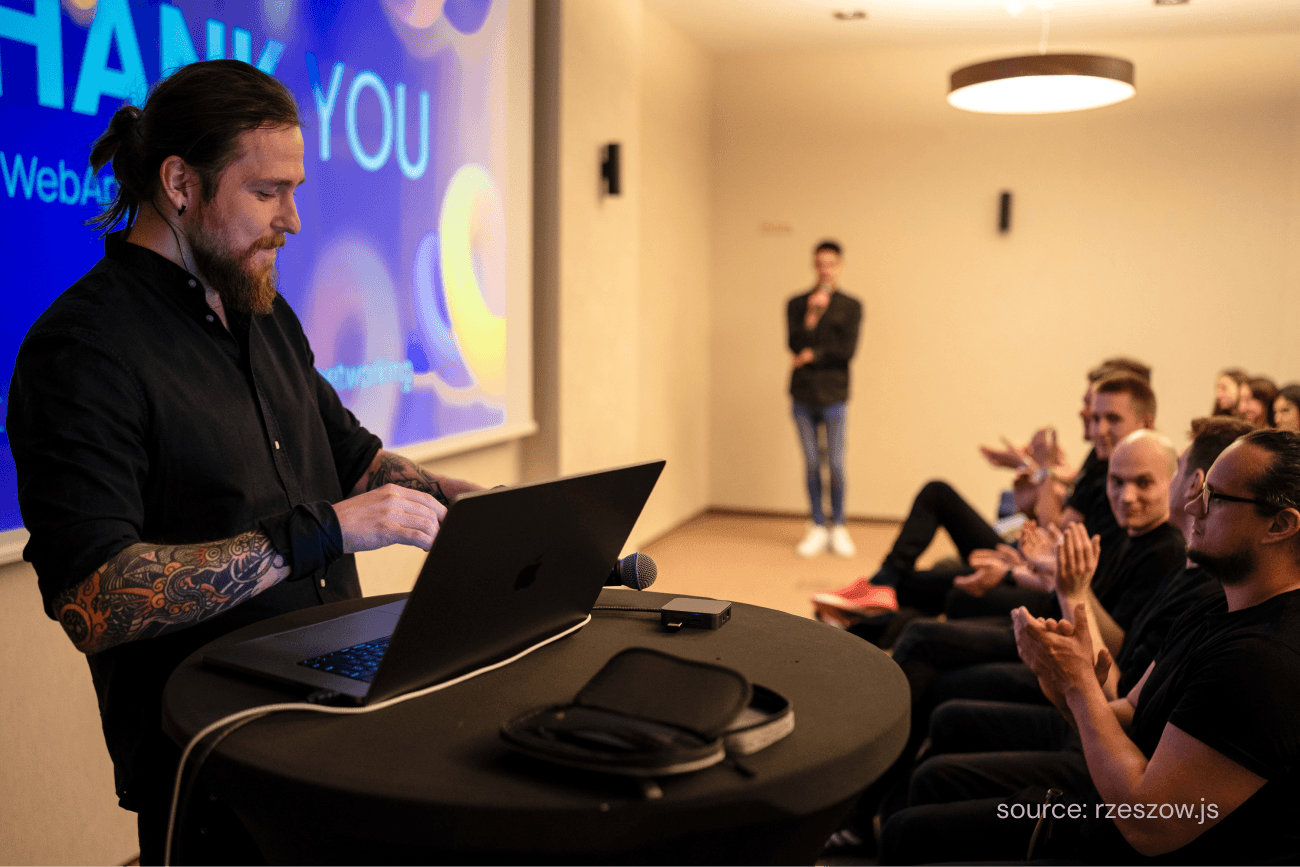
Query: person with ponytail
<point x="182" y="468"/>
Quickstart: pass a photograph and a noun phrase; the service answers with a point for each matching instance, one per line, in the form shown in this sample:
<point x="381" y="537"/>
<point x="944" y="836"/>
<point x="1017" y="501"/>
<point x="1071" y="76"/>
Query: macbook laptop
<point x="510" y="567"/>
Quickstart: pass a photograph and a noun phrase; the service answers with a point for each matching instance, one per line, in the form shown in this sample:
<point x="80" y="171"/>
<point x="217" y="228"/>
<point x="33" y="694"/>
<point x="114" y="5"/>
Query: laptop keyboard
<point x="359" y="662"/>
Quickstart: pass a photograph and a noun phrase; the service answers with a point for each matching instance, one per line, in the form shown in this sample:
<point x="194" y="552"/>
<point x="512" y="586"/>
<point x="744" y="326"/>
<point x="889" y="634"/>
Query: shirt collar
<point x="153" y="265"/>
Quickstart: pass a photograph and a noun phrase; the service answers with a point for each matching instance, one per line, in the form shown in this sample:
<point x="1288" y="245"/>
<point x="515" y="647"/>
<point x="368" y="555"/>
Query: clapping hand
<point x="1044" y="448"/>
<point x="1077" y="558"/>
<point x="1059" y="652"/>
<point x="990" y="567"/>
<point x="1039" y="547"/>
<point x="1009" y="457"/>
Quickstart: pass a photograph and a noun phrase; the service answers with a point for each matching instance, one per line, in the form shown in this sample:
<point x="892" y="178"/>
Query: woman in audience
<point x="1286" y="408"/>
<point x="1227" y="391"/>
<point x="1255" y="402"/>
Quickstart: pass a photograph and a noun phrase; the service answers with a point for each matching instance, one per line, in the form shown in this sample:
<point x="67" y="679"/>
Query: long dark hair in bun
<point x="196" y="113"/>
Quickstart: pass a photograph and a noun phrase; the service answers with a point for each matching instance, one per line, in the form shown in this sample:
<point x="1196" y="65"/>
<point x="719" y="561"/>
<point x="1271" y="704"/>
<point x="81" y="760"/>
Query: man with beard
<point x="992" y="749"/>
<point x="1200" y="761"/>
<point x="182" y="468"/>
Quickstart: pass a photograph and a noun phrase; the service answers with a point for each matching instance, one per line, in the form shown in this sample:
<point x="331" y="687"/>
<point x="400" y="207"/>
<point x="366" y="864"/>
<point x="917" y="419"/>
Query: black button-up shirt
<point x="136" y="416"/>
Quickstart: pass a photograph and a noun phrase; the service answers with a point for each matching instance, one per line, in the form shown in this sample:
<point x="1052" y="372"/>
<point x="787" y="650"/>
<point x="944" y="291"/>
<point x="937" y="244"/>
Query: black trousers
<point x="960" y="802"/>
<point x="938" y="505"/>
<point x="931" y="591"/>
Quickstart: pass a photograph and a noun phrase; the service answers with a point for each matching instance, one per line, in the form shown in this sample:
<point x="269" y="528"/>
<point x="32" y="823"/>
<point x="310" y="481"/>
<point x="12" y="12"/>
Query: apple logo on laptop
<point x="528" y="575"/>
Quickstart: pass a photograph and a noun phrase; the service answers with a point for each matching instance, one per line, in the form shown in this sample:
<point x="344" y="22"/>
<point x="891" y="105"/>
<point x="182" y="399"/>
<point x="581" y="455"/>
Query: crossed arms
<point x="148" y="589"/>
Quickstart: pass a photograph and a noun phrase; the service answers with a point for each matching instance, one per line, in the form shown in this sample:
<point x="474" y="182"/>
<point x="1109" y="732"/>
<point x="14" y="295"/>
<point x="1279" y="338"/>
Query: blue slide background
<point x="398" y="273"/>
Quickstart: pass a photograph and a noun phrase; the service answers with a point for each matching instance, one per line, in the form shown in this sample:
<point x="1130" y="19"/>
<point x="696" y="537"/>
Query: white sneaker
<point x="841" y="543"/>
<point x="814" y="541"/>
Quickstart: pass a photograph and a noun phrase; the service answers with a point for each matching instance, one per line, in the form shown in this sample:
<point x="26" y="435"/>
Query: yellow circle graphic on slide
<point x="471" y="219"/>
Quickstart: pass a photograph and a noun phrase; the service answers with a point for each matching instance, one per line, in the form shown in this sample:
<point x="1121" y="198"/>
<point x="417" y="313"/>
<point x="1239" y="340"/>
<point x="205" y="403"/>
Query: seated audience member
<point x="942" y="659"/>
<point x="1255" y="403"/>
<point x="1286" y="408"/>
<point x="1208" y="741"/>
<point x="994" y="748"/>
<point x="1227" y="391"/>
<point x="1139" y="491"/>
<point x="945" y="660"/>
<point x="1042" y="459"/>
<point x="1121" y="404"/>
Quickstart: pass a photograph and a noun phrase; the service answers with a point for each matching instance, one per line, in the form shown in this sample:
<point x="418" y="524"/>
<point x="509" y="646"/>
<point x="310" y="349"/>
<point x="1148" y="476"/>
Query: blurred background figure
<point x="1255" y="400"/>
<point x="1227" y="391"/>
<point x="823" y="335"/>
<point x="1286" y="408"/>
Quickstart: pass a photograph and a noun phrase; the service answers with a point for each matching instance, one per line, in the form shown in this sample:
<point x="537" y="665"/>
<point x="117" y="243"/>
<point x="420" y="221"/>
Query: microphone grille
<point x="638" y="571"/>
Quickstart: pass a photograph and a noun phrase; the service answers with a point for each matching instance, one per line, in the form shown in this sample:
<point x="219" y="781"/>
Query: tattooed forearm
<point x="147" y="590"/>
<point x="396" y="470"/>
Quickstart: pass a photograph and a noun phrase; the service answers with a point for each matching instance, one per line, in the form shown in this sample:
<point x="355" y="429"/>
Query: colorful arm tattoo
<point x="148" y="590"/>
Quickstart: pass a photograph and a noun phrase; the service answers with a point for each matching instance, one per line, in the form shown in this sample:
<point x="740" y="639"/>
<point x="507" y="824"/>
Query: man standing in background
<point x="823" y="335"/>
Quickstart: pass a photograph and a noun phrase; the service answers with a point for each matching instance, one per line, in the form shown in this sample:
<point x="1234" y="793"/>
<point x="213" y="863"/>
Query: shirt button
<point x="322" y="582"/>
<point x="277" y="445"/>
<point x="193" y="284"/>
<point x="211" y="318"/>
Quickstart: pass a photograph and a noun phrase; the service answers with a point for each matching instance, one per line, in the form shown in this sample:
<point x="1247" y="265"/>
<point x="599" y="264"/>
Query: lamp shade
<point x="1041" y="83"/>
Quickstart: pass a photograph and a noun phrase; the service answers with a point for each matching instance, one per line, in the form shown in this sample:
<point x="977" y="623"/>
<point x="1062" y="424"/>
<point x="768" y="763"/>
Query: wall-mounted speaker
<point x="609" y="170"/>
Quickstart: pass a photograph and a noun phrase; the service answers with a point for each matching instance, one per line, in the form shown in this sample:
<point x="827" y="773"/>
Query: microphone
<point x="637" y="571"/>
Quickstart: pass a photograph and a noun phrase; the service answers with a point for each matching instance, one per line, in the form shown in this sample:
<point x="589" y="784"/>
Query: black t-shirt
<point x="1179" y="591"/>
<point x="1228" y="679"/>
<point x="1140" y="565"/>
<point x="135" y="416"/>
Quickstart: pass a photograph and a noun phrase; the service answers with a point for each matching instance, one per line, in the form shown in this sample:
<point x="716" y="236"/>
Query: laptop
<point x="510" y="567"/>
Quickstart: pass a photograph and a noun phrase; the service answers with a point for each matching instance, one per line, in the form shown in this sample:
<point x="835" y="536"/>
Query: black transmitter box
<point x="699" y="613"/>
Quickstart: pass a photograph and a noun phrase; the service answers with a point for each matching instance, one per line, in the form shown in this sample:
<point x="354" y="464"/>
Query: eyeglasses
<point x="1209" y="496"/>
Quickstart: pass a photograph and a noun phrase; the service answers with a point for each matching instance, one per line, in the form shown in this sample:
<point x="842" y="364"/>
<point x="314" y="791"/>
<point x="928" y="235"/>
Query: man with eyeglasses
<point x="993" y="749"/>
<point x="1215" y="721"/>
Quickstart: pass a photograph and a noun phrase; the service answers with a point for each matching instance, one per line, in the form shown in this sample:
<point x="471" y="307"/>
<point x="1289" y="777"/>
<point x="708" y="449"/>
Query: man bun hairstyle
<point x="197" y="113"/>
<point x="1211" y="435"/>
<point x="1137" y="388"/>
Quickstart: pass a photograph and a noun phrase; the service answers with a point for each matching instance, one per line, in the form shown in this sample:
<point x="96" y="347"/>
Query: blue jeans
<point x="806" y="418"/>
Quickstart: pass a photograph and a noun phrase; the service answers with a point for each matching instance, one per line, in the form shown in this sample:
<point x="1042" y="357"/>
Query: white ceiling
<point x="744" y="25"/>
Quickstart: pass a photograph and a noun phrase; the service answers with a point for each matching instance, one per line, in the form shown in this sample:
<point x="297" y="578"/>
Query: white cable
<point x="262" y="710"/>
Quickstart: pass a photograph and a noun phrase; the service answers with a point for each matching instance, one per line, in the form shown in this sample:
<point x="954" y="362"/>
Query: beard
<point x="240" y="287"/>
<point x="1228" y="569"/>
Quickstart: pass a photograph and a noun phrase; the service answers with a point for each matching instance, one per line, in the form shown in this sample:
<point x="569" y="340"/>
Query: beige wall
<point x="58" y="805"/>
<point x="1164" y="227"/>
<point x="622" y="320"/>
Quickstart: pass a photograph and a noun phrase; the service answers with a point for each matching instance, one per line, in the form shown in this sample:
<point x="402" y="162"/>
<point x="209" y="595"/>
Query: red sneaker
<point x="860" y="599"/>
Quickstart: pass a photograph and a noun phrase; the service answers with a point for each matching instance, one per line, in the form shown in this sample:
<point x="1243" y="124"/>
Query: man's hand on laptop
<point x="391" y="515"/>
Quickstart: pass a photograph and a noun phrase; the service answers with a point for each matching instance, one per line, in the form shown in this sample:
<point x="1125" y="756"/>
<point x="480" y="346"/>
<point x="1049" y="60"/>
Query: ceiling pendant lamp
<point x="1041" y="83"/>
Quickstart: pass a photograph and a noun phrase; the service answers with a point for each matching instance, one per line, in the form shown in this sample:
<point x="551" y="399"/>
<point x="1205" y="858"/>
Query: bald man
<point x="1141" y="468"/>
<point x="1199" y="761"/>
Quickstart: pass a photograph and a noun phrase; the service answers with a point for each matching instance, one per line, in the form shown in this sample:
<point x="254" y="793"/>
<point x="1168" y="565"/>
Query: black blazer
<point x="826" y="379"/>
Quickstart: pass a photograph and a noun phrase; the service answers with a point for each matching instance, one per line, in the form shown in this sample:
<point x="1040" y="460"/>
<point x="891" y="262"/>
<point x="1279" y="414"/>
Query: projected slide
<point x="399" y="272"/>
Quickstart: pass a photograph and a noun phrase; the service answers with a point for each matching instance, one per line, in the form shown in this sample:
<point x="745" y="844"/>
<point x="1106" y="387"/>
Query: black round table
<point x="431" y="781"/>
